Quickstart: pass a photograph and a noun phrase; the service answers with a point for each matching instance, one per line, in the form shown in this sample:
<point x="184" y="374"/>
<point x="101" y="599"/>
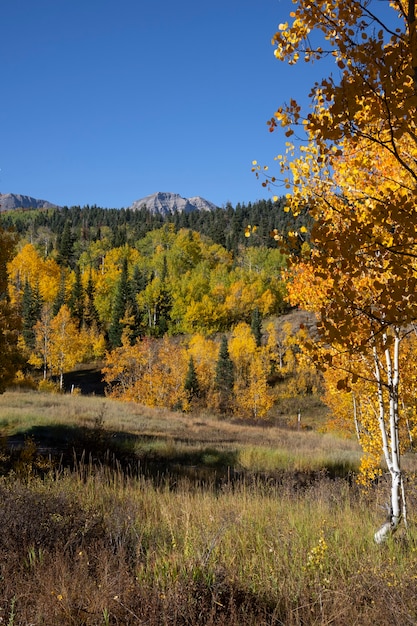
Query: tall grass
<point x="279" y="542"/>
<point x="86" y="544"/>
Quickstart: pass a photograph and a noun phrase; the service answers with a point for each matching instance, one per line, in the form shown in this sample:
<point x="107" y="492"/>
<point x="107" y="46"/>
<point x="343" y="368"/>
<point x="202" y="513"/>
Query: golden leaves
<point x="250" y="230"/>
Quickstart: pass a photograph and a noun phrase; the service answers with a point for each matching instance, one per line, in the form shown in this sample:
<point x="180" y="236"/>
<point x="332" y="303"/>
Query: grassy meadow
<point x="117" y="514"/>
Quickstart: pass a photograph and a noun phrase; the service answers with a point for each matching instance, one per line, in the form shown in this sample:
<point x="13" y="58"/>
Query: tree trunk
<point x="390" y="444"/>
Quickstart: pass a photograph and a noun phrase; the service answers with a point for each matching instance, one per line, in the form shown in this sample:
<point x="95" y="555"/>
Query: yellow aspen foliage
<point x="408" y="413"/>
<point x="66" y="344"/>
<point x="253" y="396"/>
<point x="151" y="372"/>
<point x="41" y="273"/>
<point x="204" y="316"/>
<point x="205" y="354"/>
<point x="242" y="346"/>
<point x="124" y="366"/>
<point x="107" y="276"/>
<point x="94" y="344"/>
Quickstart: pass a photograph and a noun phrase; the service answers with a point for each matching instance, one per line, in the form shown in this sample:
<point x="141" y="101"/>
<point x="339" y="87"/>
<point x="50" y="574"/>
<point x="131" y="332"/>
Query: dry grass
<point x="93" y="543"/>
<point x="95" y="548"/>
<point x="163" y="440"/>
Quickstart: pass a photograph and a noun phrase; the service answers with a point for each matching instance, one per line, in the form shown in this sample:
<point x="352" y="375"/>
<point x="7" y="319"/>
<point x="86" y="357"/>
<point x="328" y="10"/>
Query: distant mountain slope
<point x="10" y="201"/>
<point x="165" y="203"/>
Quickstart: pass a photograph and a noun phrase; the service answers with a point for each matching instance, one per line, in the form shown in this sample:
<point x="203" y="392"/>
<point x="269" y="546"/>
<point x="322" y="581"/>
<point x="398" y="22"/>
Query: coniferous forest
<point x="225" y="226"/>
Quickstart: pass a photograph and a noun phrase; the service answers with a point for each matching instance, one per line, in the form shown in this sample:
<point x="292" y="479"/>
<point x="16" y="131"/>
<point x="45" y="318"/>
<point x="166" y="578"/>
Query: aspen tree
<point x="355" y="169"/>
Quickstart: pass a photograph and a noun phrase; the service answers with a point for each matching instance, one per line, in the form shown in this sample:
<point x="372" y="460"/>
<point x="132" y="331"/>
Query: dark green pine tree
<point x="139" y="280"/>
<point x="164" y="305"/>
<point x="137" y="284"/>
<point x="60" y="299"/>
<point x="163" y="315"/>
<point x="164" y="272"/>
<point x="191" y="384"/>
<point x="31" y="311"/>
<point x="119" y="308"/>
<point x="76" y="301"/>
<point x="91" y="317"/>
<point x="224" y="377"/>
<point x="66" y="246"/>
<point x="256" y="326"/>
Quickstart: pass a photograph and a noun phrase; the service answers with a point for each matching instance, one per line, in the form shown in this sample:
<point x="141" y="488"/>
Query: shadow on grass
<point x="69" y="446"/>
<point x="85" y="448"/>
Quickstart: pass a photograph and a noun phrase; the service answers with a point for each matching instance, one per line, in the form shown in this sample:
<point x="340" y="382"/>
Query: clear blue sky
<point x="104" y="101"/>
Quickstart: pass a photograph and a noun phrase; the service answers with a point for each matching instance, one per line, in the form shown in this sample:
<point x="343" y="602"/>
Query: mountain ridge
<point x="161" y="202"/>
<point x="165" y="202"/>
<point x="10" y="201"/>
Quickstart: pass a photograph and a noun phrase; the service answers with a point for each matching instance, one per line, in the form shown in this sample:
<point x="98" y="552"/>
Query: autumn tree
<point x="205" y="355"/>
<point x="252" y="365"/>
<point x="66" y="344"/>
<point x="151" y="372"/>
<point x="28" y="266"/>
<point x="355" y="169"/>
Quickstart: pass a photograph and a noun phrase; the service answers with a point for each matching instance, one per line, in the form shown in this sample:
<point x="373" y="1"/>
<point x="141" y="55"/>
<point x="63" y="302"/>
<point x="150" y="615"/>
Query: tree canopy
<point x="351" y="162"/>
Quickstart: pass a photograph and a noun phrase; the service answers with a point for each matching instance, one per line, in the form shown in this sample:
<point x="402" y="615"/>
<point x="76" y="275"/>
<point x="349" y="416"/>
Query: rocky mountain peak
<point x="167" y="202"/>
<point x="10" y="201"/>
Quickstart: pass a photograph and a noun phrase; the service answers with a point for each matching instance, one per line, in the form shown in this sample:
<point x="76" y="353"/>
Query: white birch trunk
<point x="355" y="417"/>
<point x="390" y="445"/>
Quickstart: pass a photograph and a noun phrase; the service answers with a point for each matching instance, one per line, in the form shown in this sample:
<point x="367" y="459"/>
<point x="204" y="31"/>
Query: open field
<point x="113" y="514"/>
<point x="68" y="423"/>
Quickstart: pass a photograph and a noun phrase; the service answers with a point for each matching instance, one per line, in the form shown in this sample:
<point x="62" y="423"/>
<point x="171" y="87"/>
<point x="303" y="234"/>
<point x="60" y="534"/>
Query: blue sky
<point x="105" y="102"/>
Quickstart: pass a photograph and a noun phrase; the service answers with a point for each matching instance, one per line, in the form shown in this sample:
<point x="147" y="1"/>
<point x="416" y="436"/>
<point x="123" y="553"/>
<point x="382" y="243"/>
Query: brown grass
<point x="93" y="543"/>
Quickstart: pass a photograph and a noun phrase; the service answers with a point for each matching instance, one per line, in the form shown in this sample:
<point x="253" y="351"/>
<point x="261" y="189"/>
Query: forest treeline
<point x="225" y="226"/>
<point x="166" y="307"/>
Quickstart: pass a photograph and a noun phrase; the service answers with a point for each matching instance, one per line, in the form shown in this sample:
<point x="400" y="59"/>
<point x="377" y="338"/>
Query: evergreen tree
<point x="76" y="301"/>
<point x="191" y="384"/>
<point x="60" y="299"/>
<point x="137" y="284"/>
<point x="66" y="245"/>
<point x="119" y="308"/>
<point x="139" y="280"/>
<point x="91" y="318"/>
<point x="224" y="377"/>
<point x="164" y="305"/>
<point x="256" y="326"/>
<point x="164" y="273"/>
<point x="163" y="311"/>
<point x="31" y="311"/>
